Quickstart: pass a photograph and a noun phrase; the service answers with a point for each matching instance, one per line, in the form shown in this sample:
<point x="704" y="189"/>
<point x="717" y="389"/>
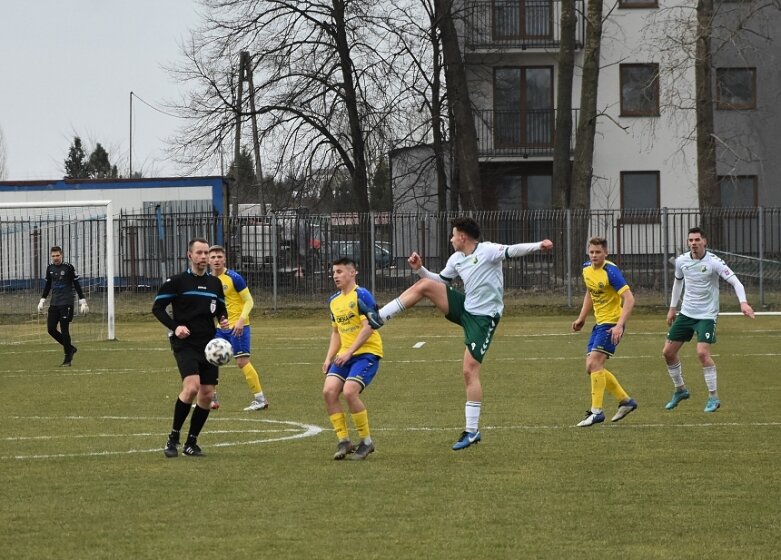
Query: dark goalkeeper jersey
<point x="195" y="302"/>
<point x="61" y="280"/>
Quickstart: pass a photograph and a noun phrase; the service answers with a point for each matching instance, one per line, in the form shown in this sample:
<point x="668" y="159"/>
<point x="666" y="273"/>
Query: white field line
<point x="311" y="430"/>
<point x="300" y="430"/>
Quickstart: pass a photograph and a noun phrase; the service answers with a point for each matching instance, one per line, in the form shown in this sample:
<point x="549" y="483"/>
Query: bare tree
<point x="562" y="169"/>
<point x="325" y="85"/>
<point x="465" y="135"/>
<point x="580" y="196"/>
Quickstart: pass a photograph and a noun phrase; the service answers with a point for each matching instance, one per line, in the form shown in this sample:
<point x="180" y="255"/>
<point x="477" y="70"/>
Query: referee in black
<point x="196" y="299"/>
<point x="61" y="280"/>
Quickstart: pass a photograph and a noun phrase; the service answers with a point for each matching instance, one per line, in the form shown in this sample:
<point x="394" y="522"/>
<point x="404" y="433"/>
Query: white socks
<point x="472" y="413"/>
<point x="391" y="309"/>
<point x="710" y="378"/>
<point x="676" y="374"/>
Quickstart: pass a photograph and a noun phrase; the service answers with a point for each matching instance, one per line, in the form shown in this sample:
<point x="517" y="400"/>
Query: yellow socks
<point x="361" y="421"/>
<point x="339" y="422"/>
<point x="597" y="389"/>
<point x="253" y="380"/>
<point x="614" y="387"/>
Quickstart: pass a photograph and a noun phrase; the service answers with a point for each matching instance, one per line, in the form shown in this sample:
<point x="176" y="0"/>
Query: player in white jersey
<point x="477" y="310"/>
<point x="697" y="276"/>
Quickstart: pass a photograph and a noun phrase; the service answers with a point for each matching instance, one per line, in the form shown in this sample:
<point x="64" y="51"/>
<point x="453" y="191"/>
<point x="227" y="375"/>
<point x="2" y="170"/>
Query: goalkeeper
<point x="61" y="281"/>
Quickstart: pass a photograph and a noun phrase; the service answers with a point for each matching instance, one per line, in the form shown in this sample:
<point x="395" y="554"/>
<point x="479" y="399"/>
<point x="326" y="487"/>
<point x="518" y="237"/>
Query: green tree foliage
<point x="76" y="165"/>
<point x="380" y="194"/>
<point x="244" y="172"/>
<point x="99" y="166"/>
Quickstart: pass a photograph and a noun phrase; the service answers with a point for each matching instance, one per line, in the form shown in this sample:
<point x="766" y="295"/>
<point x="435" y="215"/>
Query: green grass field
<point x="83" y="474"/>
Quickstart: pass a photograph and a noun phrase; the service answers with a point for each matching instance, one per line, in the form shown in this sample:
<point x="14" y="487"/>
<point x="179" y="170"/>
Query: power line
<point x="153" y="107"/>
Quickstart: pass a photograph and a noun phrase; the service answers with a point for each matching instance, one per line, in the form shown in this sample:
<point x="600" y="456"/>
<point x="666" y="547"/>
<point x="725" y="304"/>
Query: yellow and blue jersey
<point x="605" y="285"/>
<point x="236" y="295"/>
<point x="347" y="318"/>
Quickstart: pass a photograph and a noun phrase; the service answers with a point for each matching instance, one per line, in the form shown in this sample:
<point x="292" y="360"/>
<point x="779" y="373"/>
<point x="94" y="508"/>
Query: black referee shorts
<point x="192" y="361"/>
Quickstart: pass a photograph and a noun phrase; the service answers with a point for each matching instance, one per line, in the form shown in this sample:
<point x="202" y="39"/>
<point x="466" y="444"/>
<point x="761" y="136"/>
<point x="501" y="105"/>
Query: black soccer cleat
<point x="170" y="448"/>
<point x="191" y="448"/>
<point x="343" y="449"/>
<point x="69" y="357"/>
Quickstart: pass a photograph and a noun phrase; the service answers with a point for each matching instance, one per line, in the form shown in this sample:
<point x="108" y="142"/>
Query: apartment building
<point x="645" y="147"/>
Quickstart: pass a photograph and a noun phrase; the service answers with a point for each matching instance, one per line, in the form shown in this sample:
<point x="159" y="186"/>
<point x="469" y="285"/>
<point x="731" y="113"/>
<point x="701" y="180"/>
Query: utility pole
<point x="255" y="139"/>
<point x="237" y="141"/>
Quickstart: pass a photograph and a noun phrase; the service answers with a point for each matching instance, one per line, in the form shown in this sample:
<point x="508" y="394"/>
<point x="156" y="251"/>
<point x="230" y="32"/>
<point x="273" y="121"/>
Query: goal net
<point x="84" y="230"/>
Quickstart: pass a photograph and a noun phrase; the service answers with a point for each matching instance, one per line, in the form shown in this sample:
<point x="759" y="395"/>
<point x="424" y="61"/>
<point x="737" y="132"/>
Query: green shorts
<point x="478" y="329"/>
<point x="683" y="328"/>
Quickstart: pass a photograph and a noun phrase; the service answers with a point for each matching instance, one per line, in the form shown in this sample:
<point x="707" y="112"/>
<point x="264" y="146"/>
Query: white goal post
<point x="68" y="218"/>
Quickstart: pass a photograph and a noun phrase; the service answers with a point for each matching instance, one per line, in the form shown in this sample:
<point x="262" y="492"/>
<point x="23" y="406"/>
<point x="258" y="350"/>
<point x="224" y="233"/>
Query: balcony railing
<point x="518" y="24"/>
<point x="518" y="133"/>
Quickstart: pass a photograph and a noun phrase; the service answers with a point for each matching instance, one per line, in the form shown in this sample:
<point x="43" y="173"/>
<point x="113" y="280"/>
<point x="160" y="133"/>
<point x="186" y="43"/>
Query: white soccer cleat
<point x="259" y="403"/>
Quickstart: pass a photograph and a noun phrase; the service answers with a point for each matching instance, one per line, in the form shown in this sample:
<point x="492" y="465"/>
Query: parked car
<point x="383" y="258"/>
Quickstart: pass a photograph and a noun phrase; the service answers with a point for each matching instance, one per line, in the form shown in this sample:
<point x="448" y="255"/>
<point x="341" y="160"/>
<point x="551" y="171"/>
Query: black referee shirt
<point x="195" y="301"/>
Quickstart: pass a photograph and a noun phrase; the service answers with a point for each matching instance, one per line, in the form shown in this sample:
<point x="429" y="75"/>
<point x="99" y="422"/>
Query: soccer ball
<point x="218" y="352"/>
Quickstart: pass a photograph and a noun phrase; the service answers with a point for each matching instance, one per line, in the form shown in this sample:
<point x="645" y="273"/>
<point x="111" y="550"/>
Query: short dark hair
<point x="345" y="260"/>
<point x="217" y="248"/>
<point x="467" y="225"/>
<point x="55" y="249"/>
<point x="596" y="240"/>
<point x="195" y="240"/>
<point x="698" y="230"/>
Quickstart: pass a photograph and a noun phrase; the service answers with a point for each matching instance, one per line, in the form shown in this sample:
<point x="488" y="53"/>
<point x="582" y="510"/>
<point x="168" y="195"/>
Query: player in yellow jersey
<point x="239" y="302"/>
<point x="608" y="294"/>
<point x="353" y="358"/>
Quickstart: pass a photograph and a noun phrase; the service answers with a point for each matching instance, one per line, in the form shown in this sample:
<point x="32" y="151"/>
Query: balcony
<point x="518" y="134"/>
<point x="517" y="25"/>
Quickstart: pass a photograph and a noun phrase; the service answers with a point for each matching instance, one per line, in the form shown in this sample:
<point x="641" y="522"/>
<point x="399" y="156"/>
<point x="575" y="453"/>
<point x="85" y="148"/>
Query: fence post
<point x="665" y="240"/>
<point x="569" y="256"/>
<point x="372" y="260"/>
<point x="761" y="239"/>
<point x="274" y="260"/>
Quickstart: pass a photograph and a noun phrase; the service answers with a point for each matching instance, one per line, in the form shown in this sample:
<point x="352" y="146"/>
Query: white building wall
<point x="665" y="143"/>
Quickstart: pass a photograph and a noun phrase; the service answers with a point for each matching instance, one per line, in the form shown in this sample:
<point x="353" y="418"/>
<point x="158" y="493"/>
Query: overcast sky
<point x="67" y="68"/>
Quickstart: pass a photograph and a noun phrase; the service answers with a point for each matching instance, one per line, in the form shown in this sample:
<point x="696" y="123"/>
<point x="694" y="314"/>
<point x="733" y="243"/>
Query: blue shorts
<point x="241" y="344"/>
<point x="600" y="340"/>
<point x="360" y="368"/>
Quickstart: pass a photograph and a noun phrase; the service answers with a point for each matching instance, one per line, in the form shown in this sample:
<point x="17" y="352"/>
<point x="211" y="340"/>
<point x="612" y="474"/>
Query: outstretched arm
<point x="522" y="249"/>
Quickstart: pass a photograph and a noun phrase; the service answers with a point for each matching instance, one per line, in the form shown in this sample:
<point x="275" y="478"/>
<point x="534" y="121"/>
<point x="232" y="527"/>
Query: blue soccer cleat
<point x="591" y="419"/>
<point x="713" y="404"/>
<point x="677" y="397"/>
<point x="624" y="408"/>
<point x="372" y="315"/>
<point x="466" y="439"/>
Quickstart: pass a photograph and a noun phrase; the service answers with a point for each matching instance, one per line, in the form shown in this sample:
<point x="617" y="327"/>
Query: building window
<point x="524" y="192"/>
<point x="629" y="4"/>
<point x="736" y="88"/>
<point x="523" y="107"/>
<point x="523" y="19"/>
<point x="639" y="90"/>
<point x="738" y="191"/>
<point x="640" y="197"/>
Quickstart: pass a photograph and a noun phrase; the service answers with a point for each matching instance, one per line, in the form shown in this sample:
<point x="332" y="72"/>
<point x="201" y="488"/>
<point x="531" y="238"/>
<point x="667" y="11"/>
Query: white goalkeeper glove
<point x="83" y="307"/>
<point x="40" y="304"/>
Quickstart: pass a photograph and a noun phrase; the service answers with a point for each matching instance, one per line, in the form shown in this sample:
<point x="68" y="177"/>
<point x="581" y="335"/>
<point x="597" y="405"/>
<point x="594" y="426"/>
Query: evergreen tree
<point x="247" y="187"/>
<point x="76" y="166"/>
<point x="99" y="166"/>
<point x="380" y="194"/>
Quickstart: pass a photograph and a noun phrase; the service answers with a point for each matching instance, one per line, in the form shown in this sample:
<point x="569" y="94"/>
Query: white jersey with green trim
<point x="701" y="284"/>
<point x="482" y="275"/>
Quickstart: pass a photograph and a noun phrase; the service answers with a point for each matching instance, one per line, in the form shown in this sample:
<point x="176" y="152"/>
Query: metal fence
<point x="286" y="257"/>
